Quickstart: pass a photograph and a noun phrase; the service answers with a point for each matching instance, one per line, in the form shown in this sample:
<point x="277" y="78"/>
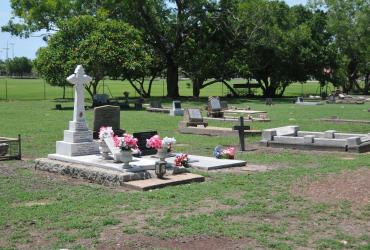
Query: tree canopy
<point x="104" y="47"/>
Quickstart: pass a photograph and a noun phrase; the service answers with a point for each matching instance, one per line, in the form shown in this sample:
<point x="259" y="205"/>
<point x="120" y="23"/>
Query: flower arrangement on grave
<point x="105" y="132"/>
<point x="224" y="153"/>
<point x="182" y="160"/>
<point x="126" y="143"/>
<point x="165" y="144"/>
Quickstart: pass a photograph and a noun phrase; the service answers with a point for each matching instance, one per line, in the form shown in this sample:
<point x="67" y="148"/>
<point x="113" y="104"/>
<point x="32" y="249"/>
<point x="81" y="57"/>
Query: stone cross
<point x="79" y="79"/>
<point x="241" y="129"/>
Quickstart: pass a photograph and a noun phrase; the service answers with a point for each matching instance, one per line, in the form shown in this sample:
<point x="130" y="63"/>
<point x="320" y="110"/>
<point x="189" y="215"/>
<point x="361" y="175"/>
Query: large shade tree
<point x="348" y="21"/>
<point x="166" y="24"/>
<point x="103" y="47"/>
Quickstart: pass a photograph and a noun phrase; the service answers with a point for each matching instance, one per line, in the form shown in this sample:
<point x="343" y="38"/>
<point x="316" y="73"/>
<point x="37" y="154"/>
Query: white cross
<point x="79" y="79"/>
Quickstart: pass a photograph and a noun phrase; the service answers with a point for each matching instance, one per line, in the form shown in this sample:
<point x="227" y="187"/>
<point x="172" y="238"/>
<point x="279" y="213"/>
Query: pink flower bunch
<point x="154" y="142"/>
<point x="228" y="153"/>
<point x="127" y="142"/>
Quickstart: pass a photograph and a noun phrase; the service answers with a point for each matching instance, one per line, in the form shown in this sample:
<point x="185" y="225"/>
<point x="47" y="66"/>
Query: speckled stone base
<point x="95" y="174"/>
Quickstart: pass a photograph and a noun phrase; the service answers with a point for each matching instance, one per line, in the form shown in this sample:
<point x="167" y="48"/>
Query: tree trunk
<point x="367" y="84"/>
<point x="64" y="91"/>
<point x="197" y="85"/>
<point x="172" y="78"/>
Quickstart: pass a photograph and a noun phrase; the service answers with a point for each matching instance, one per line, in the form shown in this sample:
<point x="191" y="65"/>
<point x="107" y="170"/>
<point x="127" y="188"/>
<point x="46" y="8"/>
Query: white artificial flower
<point x="167" y="141"/>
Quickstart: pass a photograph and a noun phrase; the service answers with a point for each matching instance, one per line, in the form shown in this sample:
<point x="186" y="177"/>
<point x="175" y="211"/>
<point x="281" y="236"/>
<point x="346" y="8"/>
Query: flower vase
<point x="160" y="166"/>
<point x="125" y="156"/>
<point x="104" y="149"/>
<point x="162" y="154"/>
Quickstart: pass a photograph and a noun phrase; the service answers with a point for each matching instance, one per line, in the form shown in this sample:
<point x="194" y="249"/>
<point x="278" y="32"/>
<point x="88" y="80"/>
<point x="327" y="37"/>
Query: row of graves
<point x="140" y="161"/>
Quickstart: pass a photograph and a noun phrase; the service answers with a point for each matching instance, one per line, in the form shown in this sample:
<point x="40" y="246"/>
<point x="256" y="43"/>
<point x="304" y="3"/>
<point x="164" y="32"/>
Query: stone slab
<point x="289" y="139"/>
<point x="213" y="131"/>
<point x="138" y="164"/>
<point x="204" y="162"/>
<point x="349" y="121"/>
<point x="168" y="180"/>
<point x="98" y="175"/>
<point x="158" y="110"/>
<point x="76" y="149"/>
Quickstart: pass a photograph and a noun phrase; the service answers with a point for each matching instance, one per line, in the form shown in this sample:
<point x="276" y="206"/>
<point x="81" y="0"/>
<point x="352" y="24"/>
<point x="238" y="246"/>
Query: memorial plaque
<point x="176" y="104"/>
<point x="107" y="116"/>
<point x="195" y="115"/>
<point x="141" y="142"/>
<point x="215" y="103"/>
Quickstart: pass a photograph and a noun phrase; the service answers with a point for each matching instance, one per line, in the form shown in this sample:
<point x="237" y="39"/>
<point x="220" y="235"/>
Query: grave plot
<point x="108" y="162"/>
<point x="219" y="111"/>
<point x="156" y="106"/>
<point x="335" y="119"/>
<point x="292" y="137"/>
<point x="193" y="123"/>
<point x="301" y="101"/>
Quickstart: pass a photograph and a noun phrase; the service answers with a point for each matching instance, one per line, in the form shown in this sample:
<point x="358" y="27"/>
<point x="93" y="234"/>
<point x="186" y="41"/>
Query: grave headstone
<point x="107" y="116"/>
<point x="176" y="109"/>
<point x="214" y="103"/>
<point x="156" y="104"/>
<point x="78" y="139"/>
<point x="299" y="99"/>
<point x="193" y="117"/>
<point x="141" y="137"/>
<point x="214" y="107"/>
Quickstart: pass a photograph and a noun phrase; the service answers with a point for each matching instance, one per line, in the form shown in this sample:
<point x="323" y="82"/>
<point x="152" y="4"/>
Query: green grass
<point x="36" y="89"/>
<point x="65" y="213"/>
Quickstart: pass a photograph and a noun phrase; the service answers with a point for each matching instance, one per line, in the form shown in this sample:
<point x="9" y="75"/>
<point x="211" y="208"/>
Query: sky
<point x="27" y="47"/>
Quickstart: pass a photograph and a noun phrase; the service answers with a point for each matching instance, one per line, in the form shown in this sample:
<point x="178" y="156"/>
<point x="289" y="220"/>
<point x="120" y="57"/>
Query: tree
<point x="209" y="52"/>
<point x="348" y="21"/>
<point x="165" y="24"/>
<point x="18" y="66"/>
<point x="280" y="48"/>
<point x="103" y="47"/>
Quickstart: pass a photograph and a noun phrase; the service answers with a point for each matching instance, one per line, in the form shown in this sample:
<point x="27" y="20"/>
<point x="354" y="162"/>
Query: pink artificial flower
<point x="130" y="141"/>
<point x="117" y="141"/>
<point x="229" y="152"/>
<point x="154" y="142"/>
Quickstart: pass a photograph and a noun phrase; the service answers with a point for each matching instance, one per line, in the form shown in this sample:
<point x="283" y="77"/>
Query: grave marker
<point x="78" y="139"/>
<point x="107" y="116"/>
<point x="241" y="129"/>
<point x="193" y="117"/>
<point x="141" y="137"/>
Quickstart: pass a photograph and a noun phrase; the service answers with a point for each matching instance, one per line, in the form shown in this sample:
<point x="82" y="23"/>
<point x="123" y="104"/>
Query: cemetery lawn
<point x="309" y="199"/>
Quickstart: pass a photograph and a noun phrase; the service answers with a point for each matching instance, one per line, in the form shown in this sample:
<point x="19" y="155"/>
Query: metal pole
<point x="6" y="89"/>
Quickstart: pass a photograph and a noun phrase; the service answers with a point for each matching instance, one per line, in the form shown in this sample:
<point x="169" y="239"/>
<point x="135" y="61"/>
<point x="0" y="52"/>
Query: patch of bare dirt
<point x="352" y="186"/>
<point x="118" y="240"/>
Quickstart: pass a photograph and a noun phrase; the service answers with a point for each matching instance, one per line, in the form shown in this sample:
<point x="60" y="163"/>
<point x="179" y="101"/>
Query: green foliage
<point x="18" y="66"/>
<point x="103" y="47"/>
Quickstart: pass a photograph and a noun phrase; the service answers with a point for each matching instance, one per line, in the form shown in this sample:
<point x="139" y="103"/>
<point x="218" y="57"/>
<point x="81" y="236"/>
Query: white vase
<point x="104" y="150"/>
<point x="125" y="156"/>
<point x="162" y="153"/>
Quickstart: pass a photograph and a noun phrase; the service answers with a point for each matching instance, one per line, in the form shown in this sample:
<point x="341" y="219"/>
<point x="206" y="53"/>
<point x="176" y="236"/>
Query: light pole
<point x="7" y="49"/>
<point x="12" y="44"/>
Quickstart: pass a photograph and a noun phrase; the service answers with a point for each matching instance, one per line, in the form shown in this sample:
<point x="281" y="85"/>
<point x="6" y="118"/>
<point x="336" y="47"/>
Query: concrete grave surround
<point x="176" y="109"/>
<point x="330" y="140"/>
<point x="107" y="116"/>
<point x="78" y="139"/>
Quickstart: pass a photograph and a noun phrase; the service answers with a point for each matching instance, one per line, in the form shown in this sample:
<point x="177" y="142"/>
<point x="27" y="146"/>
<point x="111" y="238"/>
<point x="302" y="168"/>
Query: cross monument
<point x="79" y="79"/>
<point x="78" y="139"/>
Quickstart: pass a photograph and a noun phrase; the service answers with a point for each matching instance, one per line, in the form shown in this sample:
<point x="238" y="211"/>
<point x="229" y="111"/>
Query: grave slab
<point x="210" y="163"/>
<point x="168" y="180"/>
<point x="138" y="164"/>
